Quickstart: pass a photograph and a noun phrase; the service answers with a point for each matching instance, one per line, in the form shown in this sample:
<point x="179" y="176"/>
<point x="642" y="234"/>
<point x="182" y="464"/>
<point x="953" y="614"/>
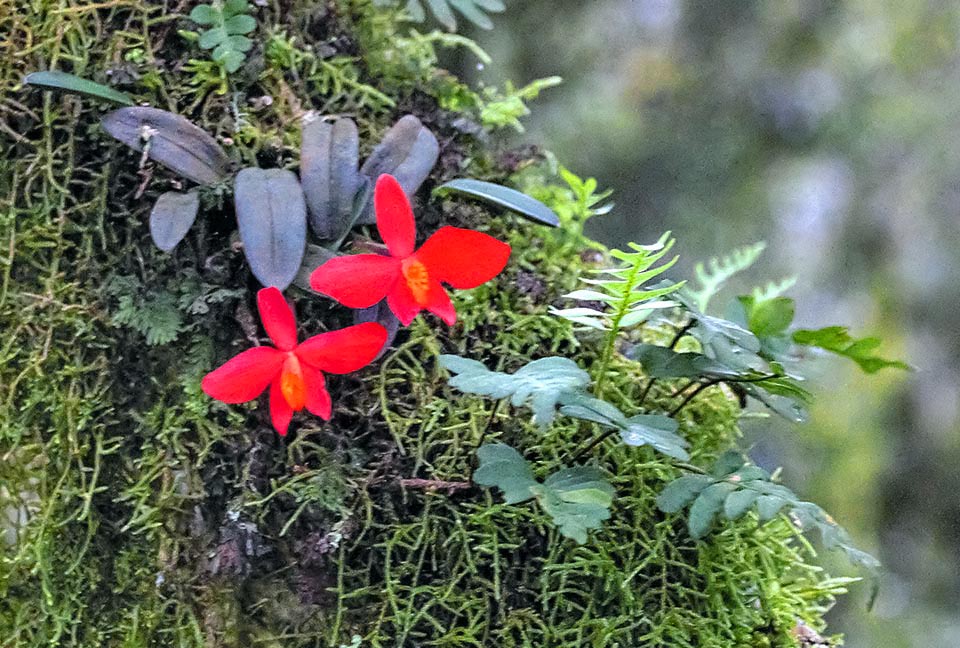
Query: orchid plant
<point x="410" y="281"/>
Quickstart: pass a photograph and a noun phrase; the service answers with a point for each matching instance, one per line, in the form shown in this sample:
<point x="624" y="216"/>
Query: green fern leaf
<point x="837" y="339"/>
<point x="717" y="271"/>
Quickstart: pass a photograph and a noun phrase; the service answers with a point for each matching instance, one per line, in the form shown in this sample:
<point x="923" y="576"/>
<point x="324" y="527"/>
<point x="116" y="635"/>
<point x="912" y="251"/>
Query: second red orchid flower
<point x="409" y="279"/>
<point x="294" y="372"/>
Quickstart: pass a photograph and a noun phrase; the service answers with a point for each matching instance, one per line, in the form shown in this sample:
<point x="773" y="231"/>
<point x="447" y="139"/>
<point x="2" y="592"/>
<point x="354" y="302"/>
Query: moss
<point x="142" y="514"/>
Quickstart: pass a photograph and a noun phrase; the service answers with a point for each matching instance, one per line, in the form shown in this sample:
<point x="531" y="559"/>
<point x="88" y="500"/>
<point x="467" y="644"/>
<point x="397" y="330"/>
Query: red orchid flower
<point x="293" y="371"/>
<point x="411" y="280"/>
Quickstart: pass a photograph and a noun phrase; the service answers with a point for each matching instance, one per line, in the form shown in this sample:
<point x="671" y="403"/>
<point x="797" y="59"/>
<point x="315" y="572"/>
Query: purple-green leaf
<point x="172" y="140"/>
<point x="511" y="199"/>
<point x="172" y="216"/>
<point x="408" y="152"/>
<point x="272" y="215"/>
<point x="329" y="157"/>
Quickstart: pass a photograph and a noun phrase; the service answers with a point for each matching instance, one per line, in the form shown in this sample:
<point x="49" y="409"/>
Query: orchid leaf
<point x="272" y="215"/>
<point x="70" y="84"/>
<point x="505" y="197"/>
<point x="171" y="140"/>
<point x="408" y="152"/>
<point x="329" y="157"/>
<point x="172" y="216"/>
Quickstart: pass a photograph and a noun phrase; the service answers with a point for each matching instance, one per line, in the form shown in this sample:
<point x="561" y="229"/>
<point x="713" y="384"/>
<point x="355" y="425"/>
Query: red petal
<point x="277" y="318"/>
<point x="394" y="216"/>
<point x="245" y="376"/>
<point x="318" y="398"/>
<point x="438" y="303"/>
<point x="357" y="281"/>
<point x="463" y="258"/>
<point x="343" y="351"/>
<point x="403" y="304"/>
<point x="280" y="411"/>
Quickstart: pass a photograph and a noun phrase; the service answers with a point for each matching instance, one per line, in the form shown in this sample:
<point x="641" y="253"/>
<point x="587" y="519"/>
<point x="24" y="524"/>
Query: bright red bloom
<point x="411" y="280"/>
<point x="294" y="372"/>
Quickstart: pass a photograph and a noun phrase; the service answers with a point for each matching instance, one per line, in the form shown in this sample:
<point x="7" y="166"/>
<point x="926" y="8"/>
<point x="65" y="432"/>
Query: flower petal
<point x="357" y="281"/>
<point x="343" y="351"/>
<point x="277" y="318"/>
<point x="318" y="398"/>
<point x="394" y="216"/>
<point x="280" y="411"/>
<point x="463" y="258"/>
<point x="438" y="303"/>
<point x="402" y="302"/>
<point x="245" y="376"/>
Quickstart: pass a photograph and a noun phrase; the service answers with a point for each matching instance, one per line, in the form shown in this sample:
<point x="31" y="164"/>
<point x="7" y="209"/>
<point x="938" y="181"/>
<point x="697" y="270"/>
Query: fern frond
<point x="622" y="289"/>
<point x="717" y="271"/>
<point x="773" y="289"/>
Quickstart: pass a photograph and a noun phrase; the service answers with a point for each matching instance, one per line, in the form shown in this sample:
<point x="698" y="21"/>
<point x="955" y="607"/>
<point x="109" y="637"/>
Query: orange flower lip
<point x="292" y="385"/>
<point x="418" y="279"/>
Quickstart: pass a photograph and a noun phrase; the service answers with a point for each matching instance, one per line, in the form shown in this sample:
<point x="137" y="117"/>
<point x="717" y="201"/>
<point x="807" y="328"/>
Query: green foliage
<point x="837" y="339"/>
<point x="718" y="270"/>
<point x="542" y="382"/>
<point x="623" y="289"/>
<point x="155" y="315"/>
<point x="228" y="22"/>
<point x="501" y="196"/>
<point x="576" y="499"/>
<point x="473" y="10"/>
<point x="503" y="109"/>
<point x="657" y="431"/>
<point x="733" y="488"/>
<point x="69" y="83"/>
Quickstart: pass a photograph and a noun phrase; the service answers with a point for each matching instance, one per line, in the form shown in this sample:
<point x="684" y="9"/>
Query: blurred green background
<point x="829" y="130"/>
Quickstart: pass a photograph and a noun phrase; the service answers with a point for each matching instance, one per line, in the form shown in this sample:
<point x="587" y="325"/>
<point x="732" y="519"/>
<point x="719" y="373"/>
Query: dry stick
<point x="435" y="484"/>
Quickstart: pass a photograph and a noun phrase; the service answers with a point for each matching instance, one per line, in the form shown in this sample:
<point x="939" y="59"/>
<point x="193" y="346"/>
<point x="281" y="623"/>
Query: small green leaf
<point x="213" y="37"/>
<point x="501" y="196"/>
<point x="63" y="82"/>
<point x="768" y="317"/>
<point x="578" y="500"/>
<point x="768" y="506"/>
<point x="541" y="382"/>
<point x="656" y="431"/>
<point x="234" y="7"/>
<point x="205" y="15"/>
<point x="661" y="362"/>
<point x="738" y="503"/>
<point x="680" y="492"/>
<point x="706" y="506"/>
<point x="240" y="24"/>
<point x="837" y="339"/>
<point x="503" y="467"/>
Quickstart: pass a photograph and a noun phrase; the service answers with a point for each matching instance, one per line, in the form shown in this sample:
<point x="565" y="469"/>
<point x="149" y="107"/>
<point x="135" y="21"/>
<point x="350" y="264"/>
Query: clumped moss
<point x="138" y="513"/>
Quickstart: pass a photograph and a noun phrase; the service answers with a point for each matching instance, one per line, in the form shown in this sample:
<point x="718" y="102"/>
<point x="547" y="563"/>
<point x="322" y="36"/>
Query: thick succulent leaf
<point x="173" y="141"/>
<point x="503" y="467"/>
<point x="837" y="339"/>
<point x="314" y="256"/>
<point x="329" y="156"/>
<point x="172" y="216"/>
<point x="70" y="84"/>
<point x="272" y="215"/>
<point x="541" y="383"/>
<point x="507" y="198"/>
<point x="381" y="314"/>
<point x="408" y="152"/>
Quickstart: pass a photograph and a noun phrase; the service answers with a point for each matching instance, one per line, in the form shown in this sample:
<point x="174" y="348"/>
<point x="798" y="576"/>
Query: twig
<point x="435" y="484"/>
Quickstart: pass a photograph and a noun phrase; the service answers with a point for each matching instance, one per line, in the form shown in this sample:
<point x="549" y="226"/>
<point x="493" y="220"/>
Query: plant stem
<point x="593" y="444"/>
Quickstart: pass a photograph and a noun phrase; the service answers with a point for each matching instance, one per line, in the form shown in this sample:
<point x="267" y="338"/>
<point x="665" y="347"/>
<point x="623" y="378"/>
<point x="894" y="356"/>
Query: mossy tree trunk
<point x="140" y="513"/>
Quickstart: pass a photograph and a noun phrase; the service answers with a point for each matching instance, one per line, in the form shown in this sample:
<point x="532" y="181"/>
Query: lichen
<point x="139" y="513"/>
